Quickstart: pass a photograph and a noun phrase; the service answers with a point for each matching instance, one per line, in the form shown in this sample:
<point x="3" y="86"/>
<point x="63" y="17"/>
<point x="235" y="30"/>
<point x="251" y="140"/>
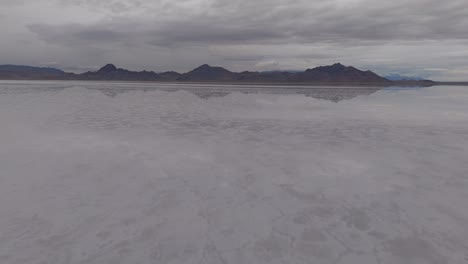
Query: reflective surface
<point x="153" y="173"/>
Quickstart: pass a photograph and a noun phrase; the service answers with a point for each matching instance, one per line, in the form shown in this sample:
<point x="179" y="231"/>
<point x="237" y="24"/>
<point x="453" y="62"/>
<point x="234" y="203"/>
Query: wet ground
<point x="167" y="173"/>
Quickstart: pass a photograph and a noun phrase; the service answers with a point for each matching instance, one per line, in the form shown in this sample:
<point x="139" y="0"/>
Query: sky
<point x="425" y="38"/>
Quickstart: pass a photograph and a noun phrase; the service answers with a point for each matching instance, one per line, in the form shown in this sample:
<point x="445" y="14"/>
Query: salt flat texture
<point x="107" y="173"/>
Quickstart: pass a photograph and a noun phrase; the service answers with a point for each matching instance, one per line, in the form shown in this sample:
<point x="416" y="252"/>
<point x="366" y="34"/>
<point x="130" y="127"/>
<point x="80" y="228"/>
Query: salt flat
<point x="154" y="173"/>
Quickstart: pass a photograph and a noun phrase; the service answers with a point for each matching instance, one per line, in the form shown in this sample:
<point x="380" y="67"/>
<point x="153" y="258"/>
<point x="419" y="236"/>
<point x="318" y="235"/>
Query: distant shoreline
<point x="394" y="83"/>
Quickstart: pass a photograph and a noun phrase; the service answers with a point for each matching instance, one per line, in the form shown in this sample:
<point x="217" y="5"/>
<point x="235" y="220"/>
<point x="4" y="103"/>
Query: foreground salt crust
<point x="168" y="177"/>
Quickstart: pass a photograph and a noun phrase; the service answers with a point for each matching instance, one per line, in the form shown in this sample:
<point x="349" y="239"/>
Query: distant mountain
<point x="18" y="72"/>
<point x="398" y="77"/>
<point x="110" y="72"/>
<point x="336" y="74"/>
<point x="170" y="75"/>
<point x="208" y="73"/>
<point x="264" y="77"/>
<point x="109" y="68"/>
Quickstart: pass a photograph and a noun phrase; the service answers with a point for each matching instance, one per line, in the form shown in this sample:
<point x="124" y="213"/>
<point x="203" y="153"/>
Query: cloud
<point x="295" y="33"/>
<point x="228" y="22"/>
<point x="112" y="6"/>
<point x="7" y="3"/>
<point x="74" y="34"/>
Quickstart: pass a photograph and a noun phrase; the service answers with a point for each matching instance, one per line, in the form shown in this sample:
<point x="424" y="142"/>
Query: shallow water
<point x="168" y="173"/>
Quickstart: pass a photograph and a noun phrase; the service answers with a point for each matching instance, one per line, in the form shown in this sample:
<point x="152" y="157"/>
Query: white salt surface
<point x="137" y="173"/>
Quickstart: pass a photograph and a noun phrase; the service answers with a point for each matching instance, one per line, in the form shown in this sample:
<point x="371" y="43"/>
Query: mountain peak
<point x="204" y="67"/>
<point x="338" y="73"/>
<point x="207" y="72"/>
<point x="208" y="68"/>
<point x="108" y="68"/>
<point x="336" y="66"/>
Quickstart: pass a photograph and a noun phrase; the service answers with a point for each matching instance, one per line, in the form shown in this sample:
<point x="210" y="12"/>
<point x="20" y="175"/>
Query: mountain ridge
<point x="332" y="74"/>
<point x="23" y="72"/>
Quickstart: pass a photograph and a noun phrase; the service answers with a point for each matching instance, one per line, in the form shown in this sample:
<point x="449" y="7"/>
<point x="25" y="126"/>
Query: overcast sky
<point x="428" y="38"/>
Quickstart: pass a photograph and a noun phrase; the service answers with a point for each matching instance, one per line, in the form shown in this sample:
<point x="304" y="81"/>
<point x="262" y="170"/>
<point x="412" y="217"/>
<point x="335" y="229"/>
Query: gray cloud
<point x="295" y="34"/>
<point x="6" y="3"/>
<point x="228" y="22"/>
<point x="74" y="34"/>
<point x="243" y="58"/>
<point x="113" y="6"/>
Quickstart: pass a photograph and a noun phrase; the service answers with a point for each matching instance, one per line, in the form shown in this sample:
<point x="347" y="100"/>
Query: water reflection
<point x="333" y="94"/>
<point x="140" y="175"/>
<point x="205" y="91"/>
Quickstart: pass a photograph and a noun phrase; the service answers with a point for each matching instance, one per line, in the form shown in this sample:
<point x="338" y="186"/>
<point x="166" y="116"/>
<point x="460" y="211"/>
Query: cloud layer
<point x="396" y="36"/>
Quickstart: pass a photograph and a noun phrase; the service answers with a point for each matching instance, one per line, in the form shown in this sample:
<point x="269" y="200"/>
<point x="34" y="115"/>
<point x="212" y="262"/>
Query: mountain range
<point x="335" y="74"/>
<point x="14" y="72"/>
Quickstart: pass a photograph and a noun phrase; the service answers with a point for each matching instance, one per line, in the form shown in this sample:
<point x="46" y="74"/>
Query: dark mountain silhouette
<point x="16" y="72"/>
<point x="107" y="69"/>
<point x="265" y="77"/>
<point x="170" y="75"/>
<point x="336" y="74"/>
<point x="208" y="73"/>
<point x="110" y="72"/>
